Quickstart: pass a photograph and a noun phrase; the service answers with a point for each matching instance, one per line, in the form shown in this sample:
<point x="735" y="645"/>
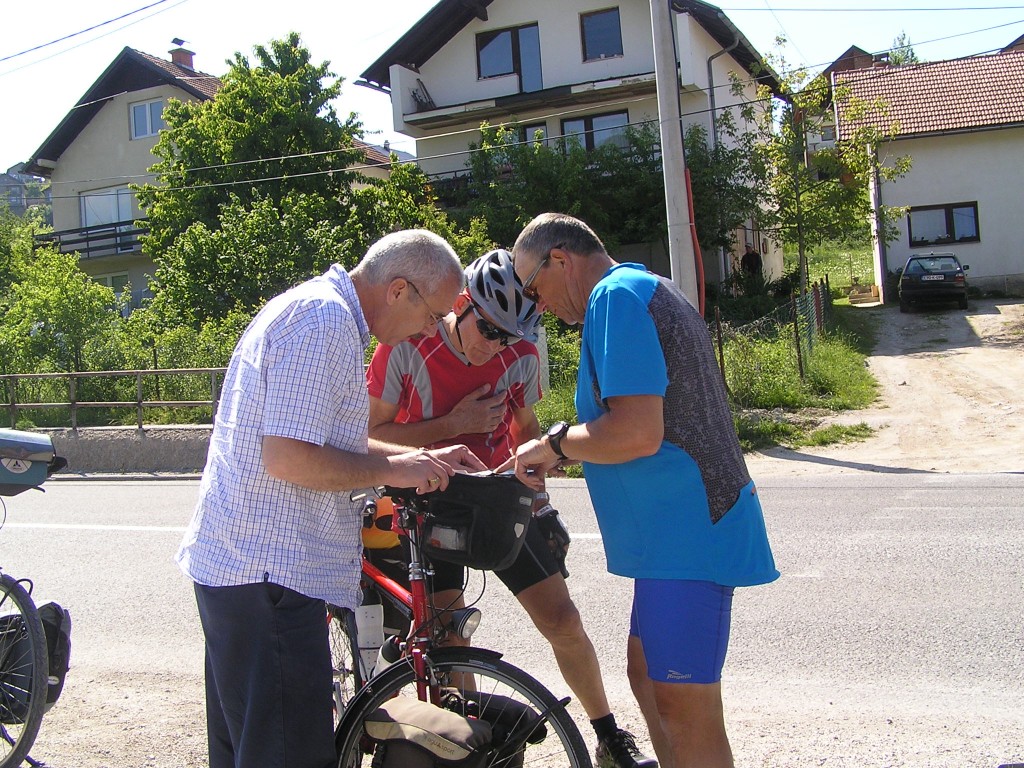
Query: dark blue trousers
<point x="268" y="678"/>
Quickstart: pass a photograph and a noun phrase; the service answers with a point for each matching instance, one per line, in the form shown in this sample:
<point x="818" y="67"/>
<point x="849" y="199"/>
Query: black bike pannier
<point x="479" y="520"/>
<point x="57" y="627"/>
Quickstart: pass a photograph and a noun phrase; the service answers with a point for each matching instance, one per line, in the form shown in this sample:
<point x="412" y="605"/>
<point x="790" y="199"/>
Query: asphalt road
<point x="895" y="636"/>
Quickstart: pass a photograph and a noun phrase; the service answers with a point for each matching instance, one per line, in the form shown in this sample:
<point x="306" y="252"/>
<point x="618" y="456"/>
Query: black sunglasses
<point x="491" y="332"/>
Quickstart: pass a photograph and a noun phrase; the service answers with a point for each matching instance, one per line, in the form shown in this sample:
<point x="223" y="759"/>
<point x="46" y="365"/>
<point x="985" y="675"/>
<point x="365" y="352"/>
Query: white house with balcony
<point x="576" y="68"/>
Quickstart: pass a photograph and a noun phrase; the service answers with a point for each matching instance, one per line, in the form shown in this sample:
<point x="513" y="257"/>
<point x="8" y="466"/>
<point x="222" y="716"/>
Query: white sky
<point x="37" y="89"/>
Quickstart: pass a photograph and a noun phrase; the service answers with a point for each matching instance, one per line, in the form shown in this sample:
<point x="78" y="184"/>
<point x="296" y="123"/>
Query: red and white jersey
<point x="427" y="377"/>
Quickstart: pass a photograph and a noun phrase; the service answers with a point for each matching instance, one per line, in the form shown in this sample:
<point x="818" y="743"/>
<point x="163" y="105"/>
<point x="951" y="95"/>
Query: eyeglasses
<point x="528" y="290"/>
<point x="435" y="318"/>
<point x="490" y="331"/>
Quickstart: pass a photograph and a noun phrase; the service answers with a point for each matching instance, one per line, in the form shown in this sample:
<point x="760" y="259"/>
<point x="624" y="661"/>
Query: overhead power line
<point x="83" y="31"/>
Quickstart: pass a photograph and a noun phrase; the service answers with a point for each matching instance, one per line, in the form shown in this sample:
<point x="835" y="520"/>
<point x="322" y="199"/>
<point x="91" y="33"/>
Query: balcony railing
<point x="99" y="240"/>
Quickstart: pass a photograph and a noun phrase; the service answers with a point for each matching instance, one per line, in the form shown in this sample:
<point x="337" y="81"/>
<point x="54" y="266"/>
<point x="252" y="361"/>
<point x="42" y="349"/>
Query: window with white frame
<point x="940" y="224"/>
<point x="601" y="34"/>
<point x="147" y="118"/>
<point x="511" y="51"/>
<point x="593" y="131"/>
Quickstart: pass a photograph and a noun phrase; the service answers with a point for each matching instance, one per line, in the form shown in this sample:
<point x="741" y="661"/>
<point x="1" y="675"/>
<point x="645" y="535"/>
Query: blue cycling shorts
<point x="683" y="627"/>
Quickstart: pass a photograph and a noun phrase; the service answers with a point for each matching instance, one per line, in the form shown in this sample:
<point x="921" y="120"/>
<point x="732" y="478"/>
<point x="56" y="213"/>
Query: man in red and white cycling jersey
<point x="475" y="383"/>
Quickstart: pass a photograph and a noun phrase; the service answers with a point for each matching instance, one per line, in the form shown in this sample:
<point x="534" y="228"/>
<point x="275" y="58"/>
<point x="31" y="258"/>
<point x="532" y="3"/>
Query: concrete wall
<point x="129" y="449"/>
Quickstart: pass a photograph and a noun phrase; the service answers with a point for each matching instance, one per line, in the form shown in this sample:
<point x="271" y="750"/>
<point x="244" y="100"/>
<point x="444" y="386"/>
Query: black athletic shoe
<point x="620" y="752"/>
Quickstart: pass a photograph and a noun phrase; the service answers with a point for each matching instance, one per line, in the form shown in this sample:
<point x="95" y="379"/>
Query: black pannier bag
<point x="479" y="520"/>
<point x="410" y="733"/>
<point x="57" y="627"/>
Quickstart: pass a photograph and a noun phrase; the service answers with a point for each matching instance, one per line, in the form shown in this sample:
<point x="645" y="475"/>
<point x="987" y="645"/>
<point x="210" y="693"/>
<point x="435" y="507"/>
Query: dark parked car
<point x="933" y="277"/>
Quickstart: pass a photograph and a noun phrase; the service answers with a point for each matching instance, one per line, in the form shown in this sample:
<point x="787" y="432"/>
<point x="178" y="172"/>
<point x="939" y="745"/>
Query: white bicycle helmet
<point x="496" y="288"/>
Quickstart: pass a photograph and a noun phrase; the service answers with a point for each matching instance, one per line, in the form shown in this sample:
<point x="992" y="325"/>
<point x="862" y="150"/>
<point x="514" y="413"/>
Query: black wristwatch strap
<point x="555" y="440"/>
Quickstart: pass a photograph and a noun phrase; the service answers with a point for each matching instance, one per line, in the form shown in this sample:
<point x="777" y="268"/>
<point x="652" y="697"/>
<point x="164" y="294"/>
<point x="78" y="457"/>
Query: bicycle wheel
<point x="23" y="672"/>
<point x="530" y="727"/>
<point x="346" y="670"/>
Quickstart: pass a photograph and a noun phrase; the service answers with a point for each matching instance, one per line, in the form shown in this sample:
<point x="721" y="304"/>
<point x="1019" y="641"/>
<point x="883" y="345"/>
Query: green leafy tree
<point x="617" y="189"/>
<point x="405" y="200"/>
<point x="725" y="178"/>
<point x="902" y="52"/>
<point x="54" y="310"/>
<point x="256" y="191"/>
<point x="268" y="157"/>
<point x="824" y="195"/>
<point x="269" y="133"/>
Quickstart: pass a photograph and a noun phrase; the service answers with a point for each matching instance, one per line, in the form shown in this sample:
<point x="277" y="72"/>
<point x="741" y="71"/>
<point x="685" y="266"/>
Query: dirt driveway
<point x="951" y="398"/>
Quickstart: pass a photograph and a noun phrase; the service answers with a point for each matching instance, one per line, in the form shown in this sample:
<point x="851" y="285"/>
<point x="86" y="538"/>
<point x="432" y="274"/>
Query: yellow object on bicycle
<point x="377" y="533"/>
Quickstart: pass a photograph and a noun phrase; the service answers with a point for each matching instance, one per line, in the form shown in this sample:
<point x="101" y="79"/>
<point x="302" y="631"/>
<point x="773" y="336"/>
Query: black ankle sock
<point x="605" y="727"/>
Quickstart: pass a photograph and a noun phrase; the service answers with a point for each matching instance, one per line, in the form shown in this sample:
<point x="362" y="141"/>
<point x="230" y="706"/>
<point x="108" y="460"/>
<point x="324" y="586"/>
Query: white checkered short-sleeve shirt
<point x="297" y="372"/>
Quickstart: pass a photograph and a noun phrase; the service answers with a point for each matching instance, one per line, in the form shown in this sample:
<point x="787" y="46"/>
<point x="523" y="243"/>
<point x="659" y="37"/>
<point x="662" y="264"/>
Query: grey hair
<point x="414" y="254"/>
<point x="556" y="230"/>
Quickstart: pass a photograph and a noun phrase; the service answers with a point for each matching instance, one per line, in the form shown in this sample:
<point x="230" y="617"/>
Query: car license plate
<point x="933" y="277"/>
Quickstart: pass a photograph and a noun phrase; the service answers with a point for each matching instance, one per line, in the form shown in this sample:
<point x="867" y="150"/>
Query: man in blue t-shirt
<point x="677" y="509"/>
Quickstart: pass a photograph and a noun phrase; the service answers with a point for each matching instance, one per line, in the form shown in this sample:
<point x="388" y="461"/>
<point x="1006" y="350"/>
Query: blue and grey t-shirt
<point x="690" y="511"/>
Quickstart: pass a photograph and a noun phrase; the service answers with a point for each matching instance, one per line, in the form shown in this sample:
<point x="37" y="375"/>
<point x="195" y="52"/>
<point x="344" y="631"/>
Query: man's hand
<point x="420" y="470"/>
<point x="532" y="461"/>
<point x="476" y="413"/>
<point x="460" y="458"/>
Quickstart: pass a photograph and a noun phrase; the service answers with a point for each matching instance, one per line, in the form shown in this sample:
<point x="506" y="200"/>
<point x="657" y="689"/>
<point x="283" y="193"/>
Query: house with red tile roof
<point x="105" y="143"/>
<point x="962" y="123"/>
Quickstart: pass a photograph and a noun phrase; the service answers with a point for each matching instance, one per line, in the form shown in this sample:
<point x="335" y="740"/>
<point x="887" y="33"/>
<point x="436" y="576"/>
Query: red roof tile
<point x="940" y="96"/>
<point x="207" y="85"/>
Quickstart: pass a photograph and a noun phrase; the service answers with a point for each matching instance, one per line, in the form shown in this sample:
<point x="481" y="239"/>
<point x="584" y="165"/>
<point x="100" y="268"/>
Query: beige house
<point x="104" y="144"/>
<point x="962" y="123"/>
<point x="580" y="68"/>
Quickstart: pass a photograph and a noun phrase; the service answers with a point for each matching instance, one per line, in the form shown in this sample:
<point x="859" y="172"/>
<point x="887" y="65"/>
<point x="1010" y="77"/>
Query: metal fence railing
<point x="138" y="390"/>
<point x="802" y="320"/>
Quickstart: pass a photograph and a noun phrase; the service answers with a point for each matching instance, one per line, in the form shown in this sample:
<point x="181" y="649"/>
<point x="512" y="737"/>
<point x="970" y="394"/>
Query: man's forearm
<point x="417" y="434"/>
<point x="324" y="467"/>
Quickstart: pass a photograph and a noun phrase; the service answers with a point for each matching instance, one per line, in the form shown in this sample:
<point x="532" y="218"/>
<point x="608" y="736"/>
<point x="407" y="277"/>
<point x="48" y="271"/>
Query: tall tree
<point x="248" y="183"/>
<point x="814" y="196"/>
<point x="902" y="52"/>
<point x="256" y="190"/>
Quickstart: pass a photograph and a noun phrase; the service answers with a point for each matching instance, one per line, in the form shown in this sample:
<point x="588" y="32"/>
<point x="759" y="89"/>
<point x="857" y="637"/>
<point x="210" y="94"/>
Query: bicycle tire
<point x="562" y="746"/>
<point x="347" y="673"/>
<point x="23" y="672"/>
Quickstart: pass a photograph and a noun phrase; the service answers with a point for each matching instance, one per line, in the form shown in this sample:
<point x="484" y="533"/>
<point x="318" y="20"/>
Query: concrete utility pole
<point x="666" y="76"/>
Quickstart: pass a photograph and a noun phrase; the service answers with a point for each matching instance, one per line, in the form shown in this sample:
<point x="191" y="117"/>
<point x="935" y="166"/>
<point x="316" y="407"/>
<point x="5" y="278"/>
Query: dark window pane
<point x="156" y="116"/>
<point x="495" y="53"/>
<point x="573" y="130"/>
<point x="529" y="57"/>
<point x="610" y="128"/>
<point x="928" y="225"/>
<point x="964" y="223"/>
<point x="532" y="131"/>
<point x="602" y="36"/>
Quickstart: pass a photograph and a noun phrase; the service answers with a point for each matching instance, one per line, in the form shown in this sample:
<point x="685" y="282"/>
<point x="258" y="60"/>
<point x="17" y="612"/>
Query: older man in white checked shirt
<point x="275" y="534"/>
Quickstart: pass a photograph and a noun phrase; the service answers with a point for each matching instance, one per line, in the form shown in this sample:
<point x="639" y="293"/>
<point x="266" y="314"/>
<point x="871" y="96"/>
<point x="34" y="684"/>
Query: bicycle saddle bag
<point x="410" y="733"/>
<point x="479" y="520"/>
<point x="57" y="628"/>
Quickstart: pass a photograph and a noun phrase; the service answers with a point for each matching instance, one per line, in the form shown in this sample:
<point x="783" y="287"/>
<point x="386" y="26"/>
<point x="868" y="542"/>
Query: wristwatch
<point x="555" y="433"/>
